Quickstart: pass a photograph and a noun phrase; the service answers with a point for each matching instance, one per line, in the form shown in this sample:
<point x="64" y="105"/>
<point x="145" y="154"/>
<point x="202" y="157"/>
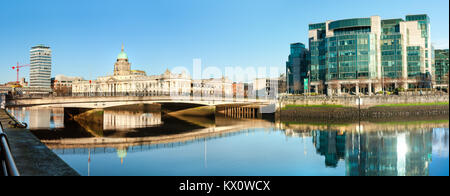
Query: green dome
<point x="122" y="54"/>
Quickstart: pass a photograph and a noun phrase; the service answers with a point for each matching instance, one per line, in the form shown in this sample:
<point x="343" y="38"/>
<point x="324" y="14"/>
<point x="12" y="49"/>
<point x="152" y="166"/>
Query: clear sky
<point x="86" y="35"/>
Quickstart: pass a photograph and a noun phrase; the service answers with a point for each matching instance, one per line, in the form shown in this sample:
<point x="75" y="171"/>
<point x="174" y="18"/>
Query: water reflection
<point x="40" y="118"/>
<point x="51" y="118"/>
<point x="377" y="153"/>
<point x="440" y="142"/>
<point x="145" y="143"/>
<point x="122" y="119"/>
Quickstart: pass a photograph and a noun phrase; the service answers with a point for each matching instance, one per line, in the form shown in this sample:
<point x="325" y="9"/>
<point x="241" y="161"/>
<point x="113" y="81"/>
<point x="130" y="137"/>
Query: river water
<point x="150" y="143"/>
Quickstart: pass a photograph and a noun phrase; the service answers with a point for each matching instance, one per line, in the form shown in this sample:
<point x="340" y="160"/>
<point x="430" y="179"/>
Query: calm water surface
<point x="148" y="143"/>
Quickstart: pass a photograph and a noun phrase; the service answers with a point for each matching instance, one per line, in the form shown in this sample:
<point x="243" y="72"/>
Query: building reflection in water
<point x="49" y="118"/>
<point x="122" y="153"/>
<point x="40" y="118"/>
<point x="381" y="153"/>
<point x="440" y="142"/>
<point x="124" y="119"/>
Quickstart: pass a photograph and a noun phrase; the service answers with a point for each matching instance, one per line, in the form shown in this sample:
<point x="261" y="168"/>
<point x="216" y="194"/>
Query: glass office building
<point x="297" y="68"/>
<point x="441" y="68"/>
<point x="370" y="54"/>
<point x="40" y="67"/>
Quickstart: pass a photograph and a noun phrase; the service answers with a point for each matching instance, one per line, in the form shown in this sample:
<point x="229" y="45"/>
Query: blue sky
<point x="86" y="35"/>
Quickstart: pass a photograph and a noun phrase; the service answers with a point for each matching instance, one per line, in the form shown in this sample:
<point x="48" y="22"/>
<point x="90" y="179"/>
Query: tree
<point x="402" y="82"/>
<point x="333" y="86"/>
<point x="446" y="80"/>
<point x="320" y="87"/>
<point x="62" y="90"/>
<point x="362" y="85"/>
<point x="347" y="87"/>
<point x="387" y="83"/>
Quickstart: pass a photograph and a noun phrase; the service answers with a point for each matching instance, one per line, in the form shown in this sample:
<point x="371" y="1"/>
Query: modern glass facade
<point x="391" y="49"/>
<point x="40" y="67"/>
<point x="348" y="57"/>
<point x="441" y="67"/>
<point x="367" y="54"/>
<point x="318" y="49"/>
<point x="297" y="68"/>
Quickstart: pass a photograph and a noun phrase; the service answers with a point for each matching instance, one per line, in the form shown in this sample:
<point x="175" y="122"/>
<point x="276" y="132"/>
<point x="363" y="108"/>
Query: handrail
<point x="16" y="123"/>
<point x="7" y="161"/>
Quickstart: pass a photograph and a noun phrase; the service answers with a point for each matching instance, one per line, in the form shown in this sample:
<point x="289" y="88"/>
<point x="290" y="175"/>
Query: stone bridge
<point x="107" y="102"/>
<point x="182" y="103"/>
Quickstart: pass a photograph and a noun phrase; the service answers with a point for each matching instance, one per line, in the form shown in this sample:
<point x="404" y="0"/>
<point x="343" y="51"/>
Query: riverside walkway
<point x="32" y="157"/>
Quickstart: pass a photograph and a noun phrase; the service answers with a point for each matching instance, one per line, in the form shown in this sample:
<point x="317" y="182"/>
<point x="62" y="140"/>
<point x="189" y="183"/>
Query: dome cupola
<point x="122" y="54"/>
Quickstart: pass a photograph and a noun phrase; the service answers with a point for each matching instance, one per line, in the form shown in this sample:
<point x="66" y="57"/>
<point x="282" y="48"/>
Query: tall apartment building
<point x="369" y="54"/>
<point x="441" y="68"/>
<point x="40" y="67"/>
<point x="297" y="68"/>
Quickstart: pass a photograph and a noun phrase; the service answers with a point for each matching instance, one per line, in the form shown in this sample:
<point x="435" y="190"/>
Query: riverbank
<point x="363" y="101"/>
<point x="343" y="114"/>
<point x="32" y="157"/>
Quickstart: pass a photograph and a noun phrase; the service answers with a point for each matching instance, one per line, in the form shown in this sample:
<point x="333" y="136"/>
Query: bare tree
<point x="387" y="83"/>
<point x="402" y="82"/>
<point x="446" y="80"/>
<point x="347" y="87"/>
<point x="333" y="86"/>
<point x="62" y="90"/>
<point x="320" y="87"/>
<point x="362" y="85"/>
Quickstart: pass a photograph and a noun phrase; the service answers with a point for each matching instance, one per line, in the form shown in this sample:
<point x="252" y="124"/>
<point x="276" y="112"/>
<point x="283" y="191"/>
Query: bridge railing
<point x="8" y="166"/>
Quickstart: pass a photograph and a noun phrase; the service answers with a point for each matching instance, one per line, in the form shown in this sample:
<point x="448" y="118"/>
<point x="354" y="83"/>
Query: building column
<point x="369" y="87"/>
<point x="338" y="89"/>
<point x="357" y="89"/>
<point x="405" y="84"/>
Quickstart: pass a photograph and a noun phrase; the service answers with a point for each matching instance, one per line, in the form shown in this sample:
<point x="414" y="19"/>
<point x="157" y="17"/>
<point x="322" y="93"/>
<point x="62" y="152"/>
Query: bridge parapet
<point x="105" y="102"/>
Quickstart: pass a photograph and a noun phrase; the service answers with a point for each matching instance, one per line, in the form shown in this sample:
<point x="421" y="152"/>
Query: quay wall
<point x="352" y="114"/>
<point x="366" y="101"/>
<point x="31" y="156"/>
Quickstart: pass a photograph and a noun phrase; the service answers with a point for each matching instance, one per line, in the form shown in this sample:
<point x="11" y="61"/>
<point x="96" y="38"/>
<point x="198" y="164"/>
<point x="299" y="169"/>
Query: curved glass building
<point x="367" y="55"/>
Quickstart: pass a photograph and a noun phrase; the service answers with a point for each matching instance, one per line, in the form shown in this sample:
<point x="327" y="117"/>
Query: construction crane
<point x="17" y="67"/>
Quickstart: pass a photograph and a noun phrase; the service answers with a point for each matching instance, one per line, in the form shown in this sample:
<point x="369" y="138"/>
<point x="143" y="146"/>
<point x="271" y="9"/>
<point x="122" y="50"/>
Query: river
<point x="151" y="143"/>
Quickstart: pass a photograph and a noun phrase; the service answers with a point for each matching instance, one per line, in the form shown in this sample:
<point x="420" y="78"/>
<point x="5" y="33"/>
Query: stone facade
<point x="127" y="82"/>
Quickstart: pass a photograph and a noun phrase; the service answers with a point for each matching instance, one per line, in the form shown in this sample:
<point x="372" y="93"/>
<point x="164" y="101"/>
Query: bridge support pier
<point x="241" y="112"/>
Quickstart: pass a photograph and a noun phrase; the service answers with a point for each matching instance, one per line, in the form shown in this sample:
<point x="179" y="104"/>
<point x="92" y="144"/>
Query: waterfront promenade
<point x="32" y="157"/>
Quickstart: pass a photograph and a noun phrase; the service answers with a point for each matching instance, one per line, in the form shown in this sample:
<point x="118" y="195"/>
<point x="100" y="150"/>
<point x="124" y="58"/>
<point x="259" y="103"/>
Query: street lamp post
<point x="382" y="81"/>
<point x="309" y="82"/>
<point x="357" y="82"/>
